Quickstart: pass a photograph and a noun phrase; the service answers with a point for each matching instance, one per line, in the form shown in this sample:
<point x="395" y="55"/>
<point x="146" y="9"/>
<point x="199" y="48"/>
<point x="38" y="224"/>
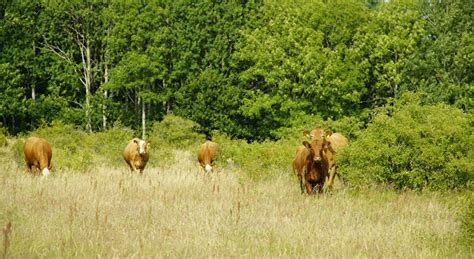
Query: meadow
<point x="174" y="211"/>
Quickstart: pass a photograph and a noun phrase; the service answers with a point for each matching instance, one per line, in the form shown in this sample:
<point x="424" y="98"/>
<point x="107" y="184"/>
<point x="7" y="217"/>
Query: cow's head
<point x="142" y="146"/>
<point x="316" y="133"/>
<point x="316" y="146"/>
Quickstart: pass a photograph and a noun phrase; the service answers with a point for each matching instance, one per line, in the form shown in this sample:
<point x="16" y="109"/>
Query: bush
<point x="467" y="221"/>
<point x="259" y="160"/>
<point x="74" y="149"/>
<point x="409" y="145"/>
<point x="177" y="131"/>
<point x="3" y="137"/>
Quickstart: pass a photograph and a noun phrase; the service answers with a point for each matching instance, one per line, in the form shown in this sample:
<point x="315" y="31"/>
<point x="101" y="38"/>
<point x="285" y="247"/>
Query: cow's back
<point x="207" y="152"/>
<point x="338" y="141"/>
<point x="37" y="152"/>
<point x="130" y="151"/>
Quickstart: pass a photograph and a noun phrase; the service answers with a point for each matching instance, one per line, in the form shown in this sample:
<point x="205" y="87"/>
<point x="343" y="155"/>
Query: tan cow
<point x="334" y="142"/>
<point x="136" y="154"/>
<point x="38" y="154"/>
<point x="207" y="154"/>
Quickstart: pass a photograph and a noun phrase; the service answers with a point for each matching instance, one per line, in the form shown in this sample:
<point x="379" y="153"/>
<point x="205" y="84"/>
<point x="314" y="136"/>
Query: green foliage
<point x="408" y="145"/>
<point x="76" y="150"/>
<point x="257" y="160"/>
<point x="3" y="136"/>
<point x="176" y="131"/>
<point x="250" y="69"/>
<point x="467" y="221"/>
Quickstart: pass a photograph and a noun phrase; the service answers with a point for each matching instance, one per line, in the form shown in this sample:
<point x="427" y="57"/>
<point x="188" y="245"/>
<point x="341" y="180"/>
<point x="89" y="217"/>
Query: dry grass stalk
<point x="7" y="231"/>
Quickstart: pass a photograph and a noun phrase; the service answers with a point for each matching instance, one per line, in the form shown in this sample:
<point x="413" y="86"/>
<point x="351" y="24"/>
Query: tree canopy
<point x="246" y="68"/>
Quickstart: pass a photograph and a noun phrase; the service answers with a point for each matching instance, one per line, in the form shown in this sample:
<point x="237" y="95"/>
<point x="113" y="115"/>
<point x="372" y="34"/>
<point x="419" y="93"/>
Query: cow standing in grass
<point x="316" y="169"/>
<point x="136" y="154"/>
<point x="311" y="166"/>
<point x="207" y="154"/>
<point x="333" y="143"/>
<point x="38" y="155"/>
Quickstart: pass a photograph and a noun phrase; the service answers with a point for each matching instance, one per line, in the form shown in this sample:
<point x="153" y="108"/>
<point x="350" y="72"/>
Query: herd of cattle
<point x="314" y="161"/>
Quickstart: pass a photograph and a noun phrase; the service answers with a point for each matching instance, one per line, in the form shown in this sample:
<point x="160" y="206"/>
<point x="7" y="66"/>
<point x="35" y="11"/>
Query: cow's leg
<point x="301" y="183"/>
<point x="28" y="167"/>
<point x="309" y="188"/>
<point x="332" y="174"/>
<point x="319" y="188"/>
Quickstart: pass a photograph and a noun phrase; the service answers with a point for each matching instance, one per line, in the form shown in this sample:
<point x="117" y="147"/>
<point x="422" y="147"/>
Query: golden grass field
<point x="175" y="211"/>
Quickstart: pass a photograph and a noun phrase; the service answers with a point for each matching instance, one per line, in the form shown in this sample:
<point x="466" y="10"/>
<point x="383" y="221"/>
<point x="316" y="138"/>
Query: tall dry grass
<point x="174" y="211"/>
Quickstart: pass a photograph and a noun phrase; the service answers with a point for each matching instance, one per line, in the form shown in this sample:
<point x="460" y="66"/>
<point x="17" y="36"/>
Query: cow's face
<point x="315" y="148"/>
<point x="142" y="146"/>
<point x="316" y="133"/>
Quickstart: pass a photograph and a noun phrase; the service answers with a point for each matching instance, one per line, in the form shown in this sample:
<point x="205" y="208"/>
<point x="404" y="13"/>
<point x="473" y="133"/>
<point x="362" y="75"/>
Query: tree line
<point x="248" y="68"/>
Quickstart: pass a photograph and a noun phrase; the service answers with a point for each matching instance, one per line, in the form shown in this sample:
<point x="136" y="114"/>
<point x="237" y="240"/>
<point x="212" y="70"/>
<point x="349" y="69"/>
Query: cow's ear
<point x="135" y="140"/>
<point x="306" y="133"/>
<point x="148" y="144"/>
<point x="328" y="132"/>
<point x="306" y="144"/>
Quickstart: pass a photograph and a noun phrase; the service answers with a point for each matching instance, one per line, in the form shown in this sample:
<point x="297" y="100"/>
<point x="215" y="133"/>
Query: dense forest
<point x="246" y="68"/>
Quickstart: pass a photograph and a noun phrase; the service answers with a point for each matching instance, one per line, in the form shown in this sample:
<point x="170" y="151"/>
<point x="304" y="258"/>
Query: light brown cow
<point x="38" y="155"/>
<point x="334" y="142"/>
<point x="207" y="154"/>
<point x="136" y="154"/>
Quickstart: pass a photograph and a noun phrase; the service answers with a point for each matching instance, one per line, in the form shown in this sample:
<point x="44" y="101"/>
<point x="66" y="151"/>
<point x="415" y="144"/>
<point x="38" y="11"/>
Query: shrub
<point x="467" y="220"/>
<point x="258" y="160"/>
<point x="71" y="146"/>
<point x="3" y="137"/>
<point x="409" y="145"/>
<point x="74" y="149"/>
<point x="177" y="131"/>
<point x="107" y="147"/>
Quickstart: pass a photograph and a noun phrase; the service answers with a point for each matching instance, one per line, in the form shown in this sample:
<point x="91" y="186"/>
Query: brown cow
<point x="207" y="154"/>
<point x="311" y="165"/>
<point x="38" y="154"/>
<point x="136" y="154"/>
<point x="334" y="142"/>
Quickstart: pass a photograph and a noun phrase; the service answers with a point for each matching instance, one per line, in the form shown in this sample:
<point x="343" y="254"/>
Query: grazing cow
<point x="207" y="154"/>
<point x="312" y="165"/>
<point x="334" y="142"/>
<point x="299" y="164"/>
<point x="38" y="154"/>
<point x="136" y="154"/>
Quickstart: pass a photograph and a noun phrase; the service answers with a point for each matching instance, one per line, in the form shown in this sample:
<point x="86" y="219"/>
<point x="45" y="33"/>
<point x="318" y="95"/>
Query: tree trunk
<point x="33" y="93"/>
<point x="104" y="106"/>
<point x="88" y="81"/>
<point x="143" y="119"/>
<point x="33" y="90"/>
